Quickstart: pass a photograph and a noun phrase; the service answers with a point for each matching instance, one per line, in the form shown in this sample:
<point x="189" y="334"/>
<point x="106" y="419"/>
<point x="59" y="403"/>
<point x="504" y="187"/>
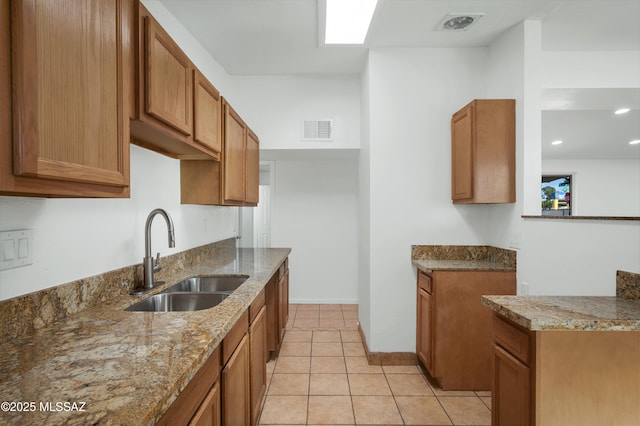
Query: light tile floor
<point x="321" y="377"/>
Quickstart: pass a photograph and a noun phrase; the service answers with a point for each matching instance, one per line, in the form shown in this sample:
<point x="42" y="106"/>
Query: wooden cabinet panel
<point x="70" y="126"/>
<point x="424" y="327"/>
<point x="252" y="165"/>
<point x="483" y="152"/>
<point x="511" y="390"/>
<point x="234" y="186"/>
<point x="209" y="412"/>
<point x="258" y="362"/>
<point x="454" y="331"/>
<point x="234" y="180"/>
<point x="277" y="308"/>
<point x="207" y="113"/>
<point x="167" y="79"/>
<point x="462" y="155"/>
<point x="196" y="395"/>
<point x="174" y="110"/>
<point x="235" y="388"/>
<point x="273" y="320"/>
<point x="283" y="308"/>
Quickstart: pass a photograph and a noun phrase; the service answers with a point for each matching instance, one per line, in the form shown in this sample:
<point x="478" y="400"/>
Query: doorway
<point x="255" y="222"/>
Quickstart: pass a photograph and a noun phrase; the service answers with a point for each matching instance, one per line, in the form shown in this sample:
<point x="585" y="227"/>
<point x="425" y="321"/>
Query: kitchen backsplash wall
<point x="25" y="314"/>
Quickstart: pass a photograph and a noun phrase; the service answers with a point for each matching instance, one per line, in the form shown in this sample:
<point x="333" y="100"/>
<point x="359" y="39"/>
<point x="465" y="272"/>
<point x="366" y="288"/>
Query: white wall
<point x="601" y="187"/>
<point x="76" y="238"/>
<point x="314" y="212"/>
<point x="557" y="257"/>
<point x="275" y="107"/>
<point x="412" y="94"/>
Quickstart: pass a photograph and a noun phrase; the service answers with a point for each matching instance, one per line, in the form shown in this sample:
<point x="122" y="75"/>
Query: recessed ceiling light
<point x="347" y="21"/>
<point x="458" y="21"/>
<point x="622" y="111"/>
<point x="635" y="142"/>
<point x="558" y="142"/>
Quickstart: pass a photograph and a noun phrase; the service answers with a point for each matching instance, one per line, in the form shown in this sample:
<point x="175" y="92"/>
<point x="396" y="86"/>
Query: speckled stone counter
<point x="575" y="313"/>
<point x="126" y="368"/>
<point x="429" y="258"/>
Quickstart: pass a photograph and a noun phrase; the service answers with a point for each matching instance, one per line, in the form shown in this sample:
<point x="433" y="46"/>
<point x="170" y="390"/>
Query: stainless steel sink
<point x="172" y="302"/>
<point x="216" y="284"/>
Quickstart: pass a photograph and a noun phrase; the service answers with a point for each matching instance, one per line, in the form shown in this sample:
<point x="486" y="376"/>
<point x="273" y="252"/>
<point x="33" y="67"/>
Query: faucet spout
<point x="147" y="262"/>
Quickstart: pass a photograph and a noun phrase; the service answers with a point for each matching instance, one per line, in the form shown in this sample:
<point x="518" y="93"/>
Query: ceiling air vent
<point x="458" y="21"/>
<point x="317" y="130"/>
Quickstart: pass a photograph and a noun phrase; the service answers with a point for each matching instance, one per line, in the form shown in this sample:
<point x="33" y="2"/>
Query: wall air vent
<point x="317" y="130"/>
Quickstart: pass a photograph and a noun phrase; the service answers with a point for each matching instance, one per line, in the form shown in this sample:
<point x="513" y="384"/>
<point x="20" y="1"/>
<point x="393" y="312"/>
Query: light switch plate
<point x="17" y="248"/>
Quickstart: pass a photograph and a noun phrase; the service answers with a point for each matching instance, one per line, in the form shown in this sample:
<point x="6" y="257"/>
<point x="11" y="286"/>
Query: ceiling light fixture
<point x="348" y="21"/>
<point x="622" y="111"/>
<point x="458" y="21"/>
<point x="635" y="142"/>
<point x="558" y="142"/>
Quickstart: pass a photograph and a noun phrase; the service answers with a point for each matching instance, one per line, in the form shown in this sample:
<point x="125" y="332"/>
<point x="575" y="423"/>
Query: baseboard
<point x="324" y="301"/>
<point x="387" y="358"/>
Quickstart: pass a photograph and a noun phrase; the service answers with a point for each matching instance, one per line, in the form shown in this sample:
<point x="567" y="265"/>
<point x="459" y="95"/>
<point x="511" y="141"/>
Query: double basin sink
<point x="192" y="294"/>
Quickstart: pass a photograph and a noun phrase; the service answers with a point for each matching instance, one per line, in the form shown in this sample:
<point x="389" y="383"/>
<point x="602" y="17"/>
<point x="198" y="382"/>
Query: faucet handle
<point x="156" y="265"/>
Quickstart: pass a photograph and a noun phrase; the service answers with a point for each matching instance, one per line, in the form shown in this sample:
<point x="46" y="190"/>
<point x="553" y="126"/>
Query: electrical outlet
<point x="16" y="248"/>
<point x="524" y="289"/>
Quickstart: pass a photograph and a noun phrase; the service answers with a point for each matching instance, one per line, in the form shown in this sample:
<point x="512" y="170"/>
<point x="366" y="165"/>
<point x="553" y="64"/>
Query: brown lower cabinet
<point x="230" y="387"/>
<point x="235" y="394"/>
<point x="277" y="300"/>
<point x="453" y="330"/>
<point x="566" y="377"/>
<point x="258" y="355"/>
<point x="199" y="402"/>
<point x="209" y="412"/>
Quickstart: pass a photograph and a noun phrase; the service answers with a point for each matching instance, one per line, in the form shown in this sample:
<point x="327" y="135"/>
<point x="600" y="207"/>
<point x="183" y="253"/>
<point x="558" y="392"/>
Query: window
<point x="556" y="195"/>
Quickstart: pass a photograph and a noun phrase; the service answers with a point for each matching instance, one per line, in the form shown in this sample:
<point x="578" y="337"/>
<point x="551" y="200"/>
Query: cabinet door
<point x="235" y="388"/>
<point x="283" y="309"/>
<point x="252" y="168"/>
<point x="258" y="362"/>
<point x="424" y="341"/>
<point x="273" y="316"/>
<point x="462" y="155"/>
<point x="207" y="113"/>
<point x="208" y="413"/>
<point x="234" y="157"/>
<point x="69" y="119"/>
<point x="511" y="390"/>
<point x="167" y="79"/>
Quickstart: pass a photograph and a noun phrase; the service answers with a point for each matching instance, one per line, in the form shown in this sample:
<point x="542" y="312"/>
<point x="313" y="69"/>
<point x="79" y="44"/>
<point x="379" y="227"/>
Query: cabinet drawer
<point x="425" y="282"/>
<point x="511" y="338"/>
<point x="255" y="307"/>
<point x="234" y="336"/>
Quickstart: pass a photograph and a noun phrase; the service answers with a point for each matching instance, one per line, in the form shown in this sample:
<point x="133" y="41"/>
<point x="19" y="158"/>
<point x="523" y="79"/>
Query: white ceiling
<point x="584" y="120"/>
<point x="283" y="36"/>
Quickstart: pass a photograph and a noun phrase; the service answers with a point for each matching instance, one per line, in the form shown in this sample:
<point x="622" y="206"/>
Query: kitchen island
<point x="565" y="360"/>
<point x="113" y="367"/>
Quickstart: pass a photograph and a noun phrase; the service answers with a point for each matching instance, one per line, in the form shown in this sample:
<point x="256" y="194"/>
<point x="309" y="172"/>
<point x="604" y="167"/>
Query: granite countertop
<point x="572" y="313"/>
<point x="429" y="265"/>
<point x="429" y="258"/>
<point x="125" y="367"/>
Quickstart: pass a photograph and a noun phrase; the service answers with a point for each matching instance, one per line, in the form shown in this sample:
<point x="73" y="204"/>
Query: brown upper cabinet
<point x="174" y="108"/>
<point x="65" y="130"/>
<point x="483" y="152"/>
<point x="233" y="181"/>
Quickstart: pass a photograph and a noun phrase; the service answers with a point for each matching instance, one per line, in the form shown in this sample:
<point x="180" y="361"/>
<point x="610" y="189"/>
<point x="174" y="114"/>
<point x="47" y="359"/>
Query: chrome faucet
<point x="148" y="264"/>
